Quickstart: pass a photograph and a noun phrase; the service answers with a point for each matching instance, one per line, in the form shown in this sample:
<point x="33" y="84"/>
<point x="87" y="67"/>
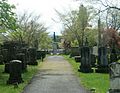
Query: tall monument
<point x="54" y="44"/>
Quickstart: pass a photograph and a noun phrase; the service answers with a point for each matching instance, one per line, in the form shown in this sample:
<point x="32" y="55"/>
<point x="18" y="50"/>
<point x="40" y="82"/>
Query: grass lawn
<point x="91" y="80"/>
<point x="4" y="88"/>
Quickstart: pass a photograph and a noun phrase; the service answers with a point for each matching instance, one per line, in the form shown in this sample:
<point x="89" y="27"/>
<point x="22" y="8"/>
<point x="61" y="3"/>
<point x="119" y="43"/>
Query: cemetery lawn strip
<point x="90" y="80"/>
<point x="4" y="88"/>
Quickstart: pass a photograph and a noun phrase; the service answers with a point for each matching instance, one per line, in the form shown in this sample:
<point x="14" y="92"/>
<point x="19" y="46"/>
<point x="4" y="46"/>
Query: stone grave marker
<point x="94" y="55"/>
<point x="32" y="56"/>
<point x="113" y="55"/>
<point x="102" y="65"/>
<point x="75" y="51"/>
<point x="114" y="77"/>
<point x="15" y="70"/>
<point x="21" y="57"/>
<point x="85" y="60"/>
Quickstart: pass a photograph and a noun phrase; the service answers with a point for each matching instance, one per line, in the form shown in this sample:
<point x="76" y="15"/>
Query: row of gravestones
<point x="16" y="57"/>
<point x="88" y="59"/>
<point x="107" y="62"/>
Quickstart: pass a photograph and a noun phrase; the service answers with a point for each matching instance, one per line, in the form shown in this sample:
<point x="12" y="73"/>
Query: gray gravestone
<point x="85" y="60"/>
<point x="113" y="55"/>
<point x="75" y="51"/>
<point x="102" y="65"/>
<point x="114" y="77"/>
<point x="94" y="56"/>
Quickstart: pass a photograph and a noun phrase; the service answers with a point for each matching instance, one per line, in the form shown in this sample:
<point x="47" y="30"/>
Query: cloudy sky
<point x="45" y="8"/>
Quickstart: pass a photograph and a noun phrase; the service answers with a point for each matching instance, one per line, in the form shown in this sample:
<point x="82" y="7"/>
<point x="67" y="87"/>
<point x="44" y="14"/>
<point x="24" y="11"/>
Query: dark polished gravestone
<point x="5" y="55"/>
<point x="43" y="54"/>
<point x="32" y="55"/>
<point x="15" y="70"/>
<point x="102" y="65"/>
<point x="114" y="77"/>
<point x="85" y="65"/>
<point x="9" y="52"/>
<point x="25" y="51"/>
<point x="39" y="54"/>
<point x="21" y="57"/>
<point x="5" y="60"/>
<point x="113" y="55"/>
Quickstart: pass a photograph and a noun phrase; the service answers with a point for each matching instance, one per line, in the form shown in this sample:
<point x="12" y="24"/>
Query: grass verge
<point x="90" y="80"/>
<point x="4" y="88"/>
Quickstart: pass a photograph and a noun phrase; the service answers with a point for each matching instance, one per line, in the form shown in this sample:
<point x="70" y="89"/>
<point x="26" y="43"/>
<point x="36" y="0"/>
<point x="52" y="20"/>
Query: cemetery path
<point x="55" y="76"/>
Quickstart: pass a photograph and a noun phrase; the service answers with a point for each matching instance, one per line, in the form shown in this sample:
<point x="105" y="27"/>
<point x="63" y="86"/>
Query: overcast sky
<point x="46" y="9"/>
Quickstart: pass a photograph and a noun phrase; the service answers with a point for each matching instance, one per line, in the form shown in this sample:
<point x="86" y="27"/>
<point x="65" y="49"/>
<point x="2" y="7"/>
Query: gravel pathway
<point x="55" y="76"/>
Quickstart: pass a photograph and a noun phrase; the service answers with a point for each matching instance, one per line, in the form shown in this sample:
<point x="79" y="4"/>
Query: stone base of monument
<point x="102" y="69"/>
<point x="15" y="68"/>
<point x="85" y="69"/>
<point x="77" y="58"/>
